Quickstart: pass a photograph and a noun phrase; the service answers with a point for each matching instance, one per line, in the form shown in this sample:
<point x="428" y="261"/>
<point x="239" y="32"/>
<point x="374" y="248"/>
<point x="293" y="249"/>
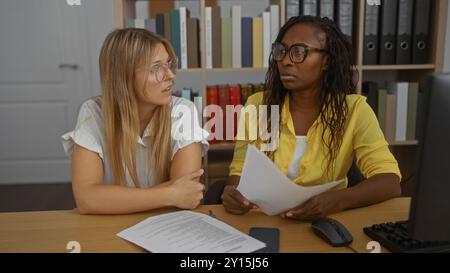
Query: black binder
<point x="421" y="29"/>
<point x="404" y="30"/>
<point x="387" y="34"/>
<point x="160" y="24"/>
<point x="308" y="7"/>
<point x="344" y="17"/>
<point x="371" y="34"/>
<point x="326" y="8"/>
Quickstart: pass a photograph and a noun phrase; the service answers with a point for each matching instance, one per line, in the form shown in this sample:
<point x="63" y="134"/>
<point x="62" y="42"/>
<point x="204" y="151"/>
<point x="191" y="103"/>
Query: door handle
<point x="71" y="66"/>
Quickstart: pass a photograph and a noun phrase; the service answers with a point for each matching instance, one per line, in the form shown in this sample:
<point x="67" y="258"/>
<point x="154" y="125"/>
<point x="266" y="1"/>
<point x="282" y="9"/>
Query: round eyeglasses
<point x="297" y="52"/>
<point x="160" y="70"/>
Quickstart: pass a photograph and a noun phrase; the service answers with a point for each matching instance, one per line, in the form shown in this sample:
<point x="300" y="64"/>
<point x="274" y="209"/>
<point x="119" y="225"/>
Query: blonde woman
<point x="135" y="147"/>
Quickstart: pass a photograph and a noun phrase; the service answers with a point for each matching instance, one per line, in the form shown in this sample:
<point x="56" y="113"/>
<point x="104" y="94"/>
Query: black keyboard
<point x="394" y="237"/>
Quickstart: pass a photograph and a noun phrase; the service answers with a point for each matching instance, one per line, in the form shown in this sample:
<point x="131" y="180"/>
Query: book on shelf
<point x="396" y="108"/>
<point x="235" y="100"/>
<point x="292" y="9"/>
<point x="193" y="56"/>
<point x="247" y="42"/>
<point x="175" y="32"/>
<point x="274" y="22"/>
<point x="208" y="37"/>
<point x="229" y="95"/>
<point x="257" y="43"/>
<point x="216" y="37"/>
<point x="236" y="18"/>
<point x="232" y="41"/>
<point x="266" y="38"/>
<point x="183" y="38"/>
<point x="227" y="43"/>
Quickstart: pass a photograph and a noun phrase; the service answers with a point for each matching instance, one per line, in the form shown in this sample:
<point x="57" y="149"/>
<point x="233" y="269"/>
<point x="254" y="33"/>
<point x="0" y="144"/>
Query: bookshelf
<point x="404" y="150"/>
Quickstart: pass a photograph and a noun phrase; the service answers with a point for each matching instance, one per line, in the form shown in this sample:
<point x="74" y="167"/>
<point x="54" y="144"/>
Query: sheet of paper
<point x="187" y="232"/>
<point x="265" y="185"/>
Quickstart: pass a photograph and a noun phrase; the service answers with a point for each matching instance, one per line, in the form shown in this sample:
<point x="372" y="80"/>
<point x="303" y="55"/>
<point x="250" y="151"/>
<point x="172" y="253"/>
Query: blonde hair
<point x="122" y="52"/>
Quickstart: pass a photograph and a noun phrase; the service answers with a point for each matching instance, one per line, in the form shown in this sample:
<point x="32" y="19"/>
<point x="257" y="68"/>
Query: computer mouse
<point x="332" y="232"/>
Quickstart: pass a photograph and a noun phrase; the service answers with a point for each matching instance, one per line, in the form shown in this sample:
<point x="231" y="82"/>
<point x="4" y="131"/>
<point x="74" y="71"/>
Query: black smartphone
<point x="270" y="236"/>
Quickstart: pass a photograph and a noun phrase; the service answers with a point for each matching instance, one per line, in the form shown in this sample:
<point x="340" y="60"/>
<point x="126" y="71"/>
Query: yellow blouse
<point x="362" y="138"/>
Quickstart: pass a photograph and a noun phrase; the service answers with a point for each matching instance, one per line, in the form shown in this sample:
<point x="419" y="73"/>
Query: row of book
<point x="239" y="41"/>
<point x="223" y="95"/>
<point x="396" y="108"/>
<point x="231" y="42"/>
<point x="176" y="27"/>
<point x="397" y="32"/>
<point x="340" y="11"/>
<point x="231" y="94"/>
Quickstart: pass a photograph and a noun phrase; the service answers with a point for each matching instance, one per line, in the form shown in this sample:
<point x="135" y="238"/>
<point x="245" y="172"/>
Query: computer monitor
<point x="429" y="218"/>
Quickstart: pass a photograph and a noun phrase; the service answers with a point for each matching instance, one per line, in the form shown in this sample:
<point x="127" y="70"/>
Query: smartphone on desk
<point x="270" y="236"/>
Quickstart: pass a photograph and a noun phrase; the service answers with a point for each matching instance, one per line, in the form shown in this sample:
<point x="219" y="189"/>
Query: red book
<point x="235" y="99"/>
<point x="224" y="100"/>
<point x="212" y="95"/>
<point x="235" y="95"/>
<point x="212" y="98"/>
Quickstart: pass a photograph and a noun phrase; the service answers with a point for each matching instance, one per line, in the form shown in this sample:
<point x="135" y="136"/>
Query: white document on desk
<point x="263" y="184"/>
<point x="189" y="232"/>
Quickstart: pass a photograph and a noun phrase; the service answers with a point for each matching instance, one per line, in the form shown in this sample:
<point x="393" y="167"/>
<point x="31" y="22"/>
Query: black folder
<point x="387" y="34"/>
<point x="160" y="24"/>
<point x="371" y="34"/>
<point x="308" y="7"/>
<point x="404" y="30"/>
<point x="421" y="29"/>
<point x="344" y="17"/>
<point x="326" y="8"/>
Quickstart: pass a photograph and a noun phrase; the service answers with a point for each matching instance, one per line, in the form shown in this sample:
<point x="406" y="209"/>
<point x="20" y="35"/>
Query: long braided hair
<point x="337" y="81"/>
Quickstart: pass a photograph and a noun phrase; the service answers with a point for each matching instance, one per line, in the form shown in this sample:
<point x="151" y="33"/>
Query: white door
<point x="41" y="87"/>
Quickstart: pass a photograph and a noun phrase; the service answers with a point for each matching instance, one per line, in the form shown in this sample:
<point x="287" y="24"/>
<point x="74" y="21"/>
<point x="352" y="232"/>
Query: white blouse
<point x="89" y="133"/>
<point x="300" y="148"/>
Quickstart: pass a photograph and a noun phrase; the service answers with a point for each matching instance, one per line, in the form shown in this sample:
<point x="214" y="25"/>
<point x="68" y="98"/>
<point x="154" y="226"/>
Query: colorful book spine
<point x="150" y="25"/>
<point x="224" y="100"/>
<point x="247" y="40"/>
<point x="274" y="22"/>
<point x="390" y="117"/>
<point x="216" y="29"/>
<point x="139" y="23"/>
<point x="167" y="27"/>
<point x="208" y="37"/>
<point x="193" y="43"/>
<point x="212" y="98"/>
<point x="160" y="24"/>
<point x="400" y="90"/>
<point x="235" y="100"/>
<point x="227" y="43"/>
<point x="266" y="36"/>
<point x="257" y="42"/>
<point x="175" y="33"/>
<point x="413" y="93"/>
<point x="183" y="38"/>
<point x="236" y="38"/>
<point x="186" y="93"/>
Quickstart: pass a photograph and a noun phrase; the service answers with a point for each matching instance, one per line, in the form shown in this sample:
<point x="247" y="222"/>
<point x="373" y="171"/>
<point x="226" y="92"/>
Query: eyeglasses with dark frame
<point x="297" y="52"/>
<point x="160" y="70"/>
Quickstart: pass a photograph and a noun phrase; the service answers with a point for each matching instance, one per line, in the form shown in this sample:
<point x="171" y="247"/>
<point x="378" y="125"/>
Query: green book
<point x="128" y="23"/>
<point x="175" y="30"/>
<point x="413" y="93"/>
<point x="226" y="43"/>
<point x="382" y="109"/>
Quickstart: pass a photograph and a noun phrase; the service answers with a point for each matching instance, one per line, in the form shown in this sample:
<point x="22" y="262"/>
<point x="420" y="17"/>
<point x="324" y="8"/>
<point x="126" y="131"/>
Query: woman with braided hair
<point x="323" y="123"/>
